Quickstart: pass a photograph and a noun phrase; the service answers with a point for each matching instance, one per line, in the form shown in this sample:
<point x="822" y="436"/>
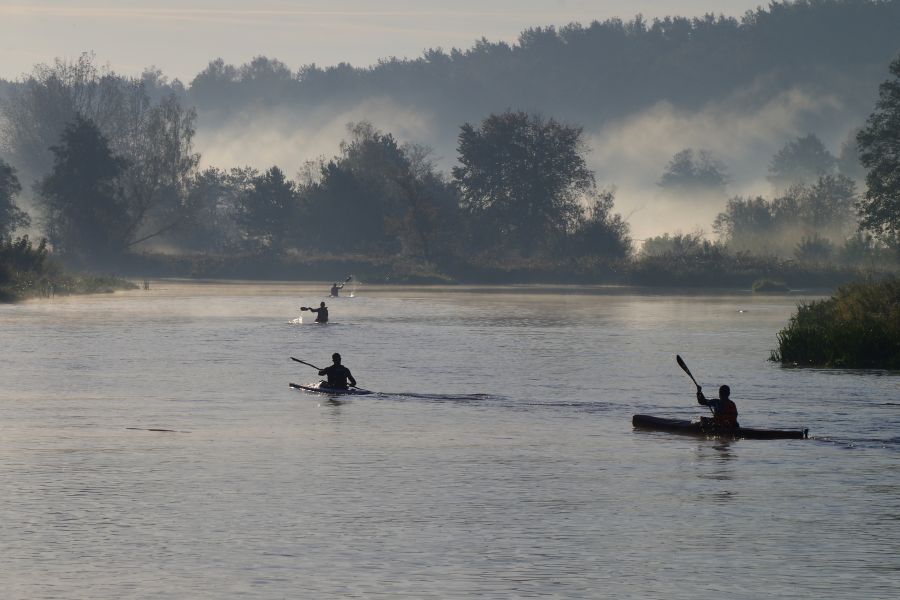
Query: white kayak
<point x="322" y="388"/>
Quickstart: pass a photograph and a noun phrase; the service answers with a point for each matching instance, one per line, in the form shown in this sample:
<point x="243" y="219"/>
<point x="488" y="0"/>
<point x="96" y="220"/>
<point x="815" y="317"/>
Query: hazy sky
<point x="181" y="36"/>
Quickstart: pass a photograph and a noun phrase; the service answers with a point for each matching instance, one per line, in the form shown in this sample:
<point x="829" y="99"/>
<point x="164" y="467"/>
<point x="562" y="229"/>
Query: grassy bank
<point x="714" y="270"/>
<point x="27" y="271"/>
<point x="859" y="327"/>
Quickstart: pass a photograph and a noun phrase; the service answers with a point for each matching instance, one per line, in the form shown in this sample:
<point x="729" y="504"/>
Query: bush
<point x="859" y="327"/>
<point x="29" y="271"/>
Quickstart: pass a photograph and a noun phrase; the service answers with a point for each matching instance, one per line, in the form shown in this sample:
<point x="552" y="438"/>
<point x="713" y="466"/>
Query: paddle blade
<point x="684" y="367"/>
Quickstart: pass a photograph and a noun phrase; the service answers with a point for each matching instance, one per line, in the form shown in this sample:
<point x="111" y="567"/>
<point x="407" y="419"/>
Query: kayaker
<point x="336" y="289"/>
<point x="725" y="411"/>
<point x="321" y="312"/>
<point x="338" y="375"/>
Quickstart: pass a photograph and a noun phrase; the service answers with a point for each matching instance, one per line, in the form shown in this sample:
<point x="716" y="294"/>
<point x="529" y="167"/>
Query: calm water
<point x="497" y="461"/>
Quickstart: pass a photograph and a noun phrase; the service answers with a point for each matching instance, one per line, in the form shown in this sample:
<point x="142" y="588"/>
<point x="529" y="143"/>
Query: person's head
<point x="321" y="305"/>
<point x="334" y="284"/>
<point x="336" y="358"/>
<point x="724" y="392"/>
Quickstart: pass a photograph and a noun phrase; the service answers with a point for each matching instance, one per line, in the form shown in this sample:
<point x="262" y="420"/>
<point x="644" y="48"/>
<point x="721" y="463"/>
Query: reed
<point x="858" y="328"/>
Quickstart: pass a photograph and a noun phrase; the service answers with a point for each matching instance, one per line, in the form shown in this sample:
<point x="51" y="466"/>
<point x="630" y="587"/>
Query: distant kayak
<point x="696" y="428"/>
<point x="321" y="388"/>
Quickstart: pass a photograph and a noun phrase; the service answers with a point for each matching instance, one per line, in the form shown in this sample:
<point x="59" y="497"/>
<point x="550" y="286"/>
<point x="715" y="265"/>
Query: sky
<point x="181" y="36"/>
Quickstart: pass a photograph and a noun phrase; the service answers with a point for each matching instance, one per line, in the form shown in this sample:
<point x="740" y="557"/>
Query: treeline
<point x="587" y="73"/>
<point x="593" y="72"/>
<point x="115" y="177"/>
<point x="123" y="178"/>
<point x="122" y="175"/>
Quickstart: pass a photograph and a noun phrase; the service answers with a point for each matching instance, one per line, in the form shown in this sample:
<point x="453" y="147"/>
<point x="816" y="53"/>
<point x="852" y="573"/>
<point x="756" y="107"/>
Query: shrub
<point x="859" y="327"/>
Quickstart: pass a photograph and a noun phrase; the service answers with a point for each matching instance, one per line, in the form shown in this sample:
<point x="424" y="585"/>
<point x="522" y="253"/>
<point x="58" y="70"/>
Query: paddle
<point x="684" y="367"/>
<point x="686" y="370"/>
<point x="303" y="362"/>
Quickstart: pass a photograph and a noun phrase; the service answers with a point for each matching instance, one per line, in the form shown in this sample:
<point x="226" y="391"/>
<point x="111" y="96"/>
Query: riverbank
<point x="27" y="271"/>
<point x="720" y="270"/>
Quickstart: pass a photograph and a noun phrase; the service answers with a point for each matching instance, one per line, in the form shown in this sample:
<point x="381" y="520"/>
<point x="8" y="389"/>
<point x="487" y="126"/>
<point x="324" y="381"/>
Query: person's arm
<point x="340" y="287"/>
<point x="701" y="399"/>
<point x="350" y="378"/>
<point x="324" y="371"/>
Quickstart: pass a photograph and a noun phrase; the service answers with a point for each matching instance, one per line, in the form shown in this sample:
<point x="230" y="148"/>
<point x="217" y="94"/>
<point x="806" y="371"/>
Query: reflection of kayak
<point x="321" y="388"/>
<point x="696" y="428"/>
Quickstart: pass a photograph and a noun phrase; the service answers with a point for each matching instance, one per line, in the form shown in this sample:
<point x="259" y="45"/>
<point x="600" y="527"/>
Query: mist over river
<point x="497" y="459"/>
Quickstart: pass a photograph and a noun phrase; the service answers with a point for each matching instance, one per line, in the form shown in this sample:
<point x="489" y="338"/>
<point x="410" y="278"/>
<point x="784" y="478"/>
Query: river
<point x="497" y="459"/>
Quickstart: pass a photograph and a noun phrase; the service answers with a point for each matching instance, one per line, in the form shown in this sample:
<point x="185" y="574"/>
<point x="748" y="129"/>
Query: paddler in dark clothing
<point x="338" y="375"/>
<point x="725" y="411"/>
<point x="336" y="289"/>
<point x="321" y="312"/>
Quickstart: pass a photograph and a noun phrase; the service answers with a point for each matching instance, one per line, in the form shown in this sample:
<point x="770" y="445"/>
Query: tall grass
<point x="859" y="327"/>
<point x="28" y="271"/>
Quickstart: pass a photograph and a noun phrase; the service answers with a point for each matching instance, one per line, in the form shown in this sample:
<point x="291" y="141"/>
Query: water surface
<point x="496" y="461"/>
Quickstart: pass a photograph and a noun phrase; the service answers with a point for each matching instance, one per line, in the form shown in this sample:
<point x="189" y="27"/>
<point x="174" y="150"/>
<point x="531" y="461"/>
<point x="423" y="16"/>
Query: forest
<point x="107" y="168"/>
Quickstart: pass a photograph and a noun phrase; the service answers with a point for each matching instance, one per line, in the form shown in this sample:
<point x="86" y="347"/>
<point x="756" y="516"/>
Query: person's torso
<point x="337" y="375"/>
<point x="725" y="412"/>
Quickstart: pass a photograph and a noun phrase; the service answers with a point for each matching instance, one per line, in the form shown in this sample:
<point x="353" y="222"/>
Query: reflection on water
<point x="150" y="447"/>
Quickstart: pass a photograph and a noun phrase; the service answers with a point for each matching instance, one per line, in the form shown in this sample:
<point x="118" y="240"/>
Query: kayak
<point x="696" y="428"/>
<point x="321" y="388"/>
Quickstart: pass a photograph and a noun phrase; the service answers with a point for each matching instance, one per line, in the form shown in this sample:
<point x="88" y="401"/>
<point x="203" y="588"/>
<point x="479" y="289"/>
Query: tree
<point x="153" y="136"/>
<point x="40" y="107"/>
<point x="823" y="210"/>
<point x="679" y="244"/>
<point x="800" y="161"/>
<point x="746" y="223"/>
<point x="11" y="216"/>
<point x="828" y="205"/>
<point x="85" y="214"/>
<point x="848" y="162"/>
<point x="160" y="166"/>
<point x="688" y="172"/>
<point x="879" y="143"/>
<point x="600" y="232"/>
<point x="384" y="197"/>
<point x="268" y="210"/>
<point x="522" y="179"/>
<point x="214" y="197"/>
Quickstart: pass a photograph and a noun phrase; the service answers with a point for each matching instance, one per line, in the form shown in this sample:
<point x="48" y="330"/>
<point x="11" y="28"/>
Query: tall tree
<point x="383" y="197"/>
<point x="161" y="164"/>
<point x="41" y="106"/>
<point x="153" y="135"/>
<point x="268" y="210"/>
<point x="879" y="142"/>
<point x="522" y="179"/>
<point x="800" y="161"/>
<point x="85" y="214"/>
<point x="11" y="216"/>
